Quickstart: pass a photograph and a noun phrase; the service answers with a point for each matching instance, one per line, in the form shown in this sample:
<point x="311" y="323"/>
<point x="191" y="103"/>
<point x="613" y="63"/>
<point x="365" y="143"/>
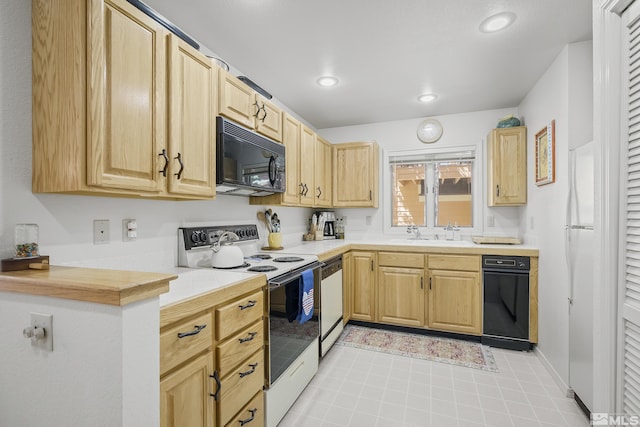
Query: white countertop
<point x="195" y="281"/>
<point x="192" y="282"/>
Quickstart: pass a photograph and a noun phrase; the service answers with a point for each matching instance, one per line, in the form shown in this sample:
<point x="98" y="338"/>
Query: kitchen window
<point x="432" y="188"/>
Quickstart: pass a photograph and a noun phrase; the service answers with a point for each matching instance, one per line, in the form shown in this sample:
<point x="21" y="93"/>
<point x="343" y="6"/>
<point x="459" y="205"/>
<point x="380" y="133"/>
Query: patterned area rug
<point x="455" y="352"/>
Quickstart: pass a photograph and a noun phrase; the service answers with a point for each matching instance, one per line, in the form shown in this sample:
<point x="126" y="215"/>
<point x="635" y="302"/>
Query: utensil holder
<point x="275" y="240"/>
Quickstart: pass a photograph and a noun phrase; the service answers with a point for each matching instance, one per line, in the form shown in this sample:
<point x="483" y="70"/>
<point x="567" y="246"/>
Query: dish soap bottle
<point x="456" y="232"/>
<point x="448" y="232"/>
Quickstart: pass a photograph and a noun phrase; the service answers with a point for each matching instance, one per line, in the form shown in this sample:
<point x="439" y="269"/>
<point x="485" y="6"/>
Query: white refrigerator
<point x="579" y="251"/>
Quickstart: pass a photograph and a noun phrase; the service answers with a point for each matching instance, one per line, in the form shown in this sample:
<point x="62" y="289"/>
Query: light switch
<point x="129" y="230"/>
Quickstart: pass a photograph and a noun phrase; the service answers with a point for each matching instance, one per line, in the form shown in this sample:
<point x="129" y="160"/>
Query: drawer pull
<point x="253" y="369"/>
<point x="195" y="331"/>
<point x="218" y="385"/>
<point x="252" y="303"/>
<point x="251" y="336"/>
<point x="248" y="420"/>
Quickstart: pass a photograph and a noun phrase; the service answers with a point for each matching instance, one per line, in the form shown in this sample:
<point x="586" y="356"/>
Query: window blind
<point x="631" y="300"/>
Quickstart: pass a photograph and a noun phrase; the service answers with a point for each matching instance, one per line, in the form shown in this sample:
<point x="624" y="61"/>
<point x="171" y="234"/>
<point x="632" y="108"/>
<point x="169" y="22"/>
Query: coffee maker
<point x="329" y="231"/>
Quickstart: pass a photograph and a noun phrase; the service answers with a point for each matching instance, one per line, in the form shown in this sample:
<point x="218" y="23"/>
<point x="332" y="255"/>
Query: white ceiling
<point x="384" y="52"/>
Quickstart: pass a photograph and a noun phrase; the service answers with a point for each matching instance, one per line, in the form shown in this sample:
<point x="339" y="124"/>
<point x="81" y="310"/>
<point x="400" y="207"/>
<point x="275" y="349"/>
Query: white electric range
<point x="293" y="350"/>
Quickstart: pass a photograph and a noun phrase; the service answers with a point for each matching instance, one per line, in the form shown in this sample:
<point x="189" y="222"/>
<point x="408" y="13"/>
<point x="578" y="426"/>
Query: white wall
<point x="66" y="222"/>
<point x="103" y="370"/>
<point x="564" y="94"/>
<point x="459" y="130"/>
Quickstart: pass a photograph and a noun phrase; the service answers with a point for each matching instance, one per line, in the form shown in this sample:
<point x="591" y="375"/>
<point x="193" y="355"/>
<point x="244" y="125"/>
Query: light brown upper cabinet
<point x="308" y="168"/>
<point x="322" y="173"/>
<point x="243" y="105"/>
<point x="104" y="77"/>
<point x="355" y="174"/>
<point x="507" y="166"/>
<point x="192" y="109"/>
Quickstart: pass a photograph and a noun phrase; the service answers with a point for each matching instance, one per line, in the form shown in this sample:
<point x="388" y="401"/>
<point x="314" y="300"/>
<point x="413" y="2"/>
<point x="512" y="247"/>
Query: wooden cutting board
<point x="489" y="240"/>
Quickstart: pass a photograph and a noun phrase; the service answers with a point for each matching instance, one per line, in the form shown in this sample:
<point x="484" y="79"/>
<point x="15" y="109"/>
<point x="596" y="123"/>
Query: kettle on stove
<point x="225" y="253"/>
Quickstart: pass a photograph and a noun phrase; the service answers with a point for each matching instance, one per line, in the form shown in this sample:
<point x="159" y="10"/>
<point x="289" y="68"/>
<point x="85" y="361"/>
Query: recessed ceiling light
<point x="497" y="22"/>
<point x="427" y="97"/>
<point x="327" y="81"/>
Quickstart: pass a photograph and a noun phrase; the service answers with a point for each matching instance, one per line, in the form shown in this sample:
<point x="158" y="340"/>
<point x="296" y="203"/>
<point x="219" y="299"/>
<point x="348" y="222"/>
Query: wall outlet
<point x="491" y="221"/>
<point x="44" y="321"/>
<point x="100" y="231"/>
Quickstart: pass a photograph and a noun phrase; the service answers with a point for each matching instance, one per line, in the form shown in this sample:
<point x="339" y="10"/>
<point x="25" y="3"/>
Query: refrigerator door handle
<point x="568" y="227"/>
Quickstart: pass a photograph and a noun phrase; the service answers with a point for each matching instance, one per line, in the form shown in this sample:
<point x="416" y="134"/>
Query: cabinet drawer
<point x="454" y="262"/>
<point x="251" y="415"/>
<point x="238" y="314"/>
<point x="240" y="385"/>
<point x="239" y="347"/>
<point x="399" y="259"/>
<point x="184" y="340"/>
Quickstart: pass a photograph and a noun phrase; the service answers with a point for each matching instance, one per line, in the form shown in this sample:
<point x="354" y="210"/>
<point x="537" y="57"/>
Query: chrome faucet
<point x="415" y="230"/>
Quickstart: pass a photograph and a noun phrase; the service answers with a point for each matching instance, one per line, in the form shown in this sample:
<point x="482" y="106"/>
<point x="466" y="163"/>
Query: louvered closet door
<point x="631" y="299"/>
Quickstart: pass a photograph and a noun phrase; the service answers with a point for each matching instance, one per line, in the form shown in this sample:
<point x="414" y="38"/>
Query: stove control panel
<point x="195" y="237"/>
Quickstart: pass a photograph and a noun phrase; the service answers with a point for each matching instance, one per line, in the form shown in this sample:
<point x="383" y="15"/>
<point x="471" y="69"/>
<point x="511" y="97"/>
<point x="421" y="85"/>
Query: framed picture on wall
<point x="545" y="154"/>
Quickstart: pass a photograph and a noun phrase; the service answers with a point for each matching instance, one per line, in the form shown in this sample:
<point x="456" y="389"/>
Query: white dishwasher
<point x="330" y="303"/>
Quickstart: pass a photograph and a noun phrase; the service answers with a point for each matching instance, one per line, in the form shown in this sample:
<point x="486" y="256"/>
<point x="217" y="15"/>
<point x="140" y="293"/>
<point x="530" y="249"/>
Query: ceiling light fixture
<point x="497" y="22"/>
<point x="327" y="81"/>
<point x="427" y="97"/>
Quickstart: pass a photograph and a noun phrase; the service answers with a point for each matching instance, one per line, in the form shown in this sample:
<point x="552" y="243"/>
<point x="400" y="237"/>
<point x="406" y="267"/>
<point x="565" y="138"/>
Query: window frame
<point x="477" y="190"/>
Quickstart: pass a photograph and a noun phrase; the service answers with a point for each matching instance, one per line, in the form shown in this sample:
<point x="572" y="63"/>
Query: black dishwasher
<point x="506" y="302"/>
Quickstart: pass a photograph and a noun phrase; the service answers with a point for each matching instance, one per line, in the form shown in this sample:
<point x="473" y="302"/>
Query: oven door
<point x="288" y="339"/>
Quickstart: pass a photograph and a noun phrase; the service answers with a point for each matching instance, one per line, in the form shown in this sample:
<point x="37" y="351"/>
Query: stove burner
<point x="261" y="256"/>
<point x="246" y="264"/>
<point x="262" y="268"/>
<point x="288" y="259"/>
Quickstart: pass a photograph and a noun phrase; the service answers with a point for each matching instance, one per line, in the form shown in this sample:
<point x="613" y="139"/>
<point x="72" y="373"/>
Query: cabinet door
<point x="401" y="296"/>
<point x="192" y="111"/>
<point x="347" y="290"/>
<point x="126" y="97"/>
<point x="291" y="140"/>
<point x="185" y="395"/>
<point x="454" y="301"/>
<point x="355" y="174"/>
<point x="363" y="284"/>
<point x="268" y="121"/>
<point x="236" y="100"/>
<point x="307" y="166"/>
<point x="507" y="173"/>
<point x="323" y="170"/>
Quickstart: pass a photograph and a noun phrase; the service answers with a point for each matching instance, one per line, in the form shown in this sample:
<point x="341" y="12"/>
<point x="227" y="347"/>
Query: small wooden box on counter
<point x="15" y="264"/>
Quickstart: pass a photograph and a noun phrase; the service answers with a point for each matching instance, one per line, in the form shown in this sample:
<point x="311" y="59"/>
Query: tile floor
<point x="356" y="387"/>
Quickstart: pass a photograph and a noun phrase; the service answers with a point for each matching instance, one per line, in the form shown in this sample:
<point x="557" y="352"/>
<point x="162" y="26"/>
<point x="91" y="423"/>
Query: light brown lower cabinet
<point x="185" y="398"/>
<point x="212" y="358"/>
<point x="454" y="301"/>
<point x="252" y="415"/>
<point x="363" y="279"/>
<point x="347" y="295"/>
<point x="435" y="291"/>
<point x="401" y="296"/>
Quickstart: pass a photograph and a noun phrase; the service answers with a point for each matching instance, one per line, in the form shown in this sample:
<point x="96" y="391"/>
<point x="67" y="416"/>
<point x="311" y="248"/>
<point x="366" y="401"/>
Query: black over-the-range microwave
<point x="247" y="164"/>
